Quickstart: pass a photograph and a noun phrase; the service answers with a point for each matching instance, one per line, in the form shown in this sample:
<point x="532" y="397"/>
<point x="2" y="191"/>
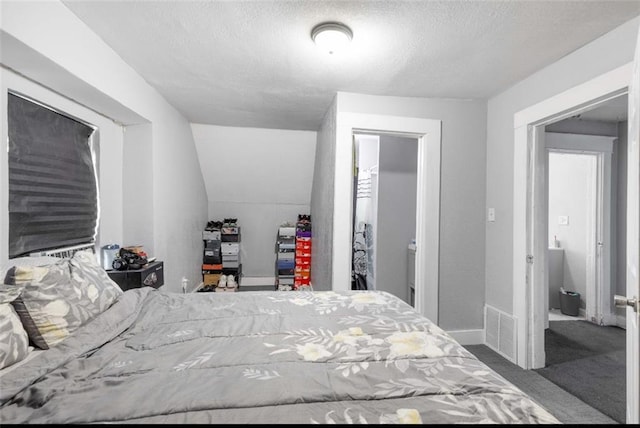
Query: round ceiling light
<point x="331" y="36"/>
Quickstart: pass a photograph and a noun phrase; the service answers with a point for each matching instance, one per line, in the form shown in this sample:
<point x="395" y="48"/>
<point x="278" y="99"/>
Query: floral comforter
<point x="261" y="357"/>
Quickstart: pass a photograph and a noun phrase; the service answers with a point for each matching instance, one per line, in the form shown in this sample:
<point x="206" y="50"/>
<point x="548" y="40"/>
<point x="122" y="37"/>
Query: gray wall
<point x="322" y="202"/>
<point x="606" y="53"/>
<point x="260" y="176"/>
<point x="462" y="197"/>
<point x="137" y="174"/>
<point x="396" y="225"/>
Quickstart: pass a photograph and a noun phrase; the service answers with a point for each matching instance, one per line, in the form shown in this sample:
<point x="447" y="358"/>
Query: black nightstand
<point x="151" y="275"/>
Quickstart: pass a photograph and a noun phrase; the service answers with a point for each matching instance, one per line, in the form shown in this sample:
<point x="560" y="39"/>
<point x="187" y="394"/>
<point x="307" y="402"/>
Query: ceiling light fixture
<point x="331" y="36"/>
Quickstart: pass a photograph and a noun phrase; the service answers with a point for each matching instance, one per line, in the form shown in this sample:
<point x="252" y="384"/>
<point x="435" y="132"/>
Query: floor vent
<point x="500" y="329"/>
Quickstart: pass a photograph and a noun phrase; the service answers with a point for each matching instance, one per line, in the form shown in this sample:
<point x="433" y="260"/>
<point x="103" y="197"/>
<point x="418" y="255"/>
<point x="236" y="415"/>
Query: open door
<point x="630" y="301"/>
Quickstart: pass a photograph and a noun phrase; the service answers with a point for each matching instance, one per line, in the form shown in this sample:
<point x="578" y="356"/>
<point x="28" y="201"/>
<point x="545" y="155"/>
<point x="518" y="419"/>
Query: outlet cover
<point x="563" y="220"/>
<point x="491" y="214"/>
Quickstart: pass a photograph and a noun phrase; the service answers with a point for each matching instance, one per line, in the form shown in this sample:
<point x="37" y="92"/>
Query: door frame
<point x="428" y="132"/>
<point x="528" y="188"/>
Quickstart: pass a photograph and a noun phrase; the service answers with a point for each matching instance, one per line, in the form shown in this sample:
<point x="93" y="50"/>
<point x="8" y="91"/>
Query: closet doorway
<point x="384" y="212"/>
<point x="428" y="132"/>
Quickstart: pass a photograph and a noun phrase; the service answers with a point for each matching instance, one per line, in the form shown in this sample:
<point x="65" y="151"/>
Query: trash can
<point x="569" y="302"/>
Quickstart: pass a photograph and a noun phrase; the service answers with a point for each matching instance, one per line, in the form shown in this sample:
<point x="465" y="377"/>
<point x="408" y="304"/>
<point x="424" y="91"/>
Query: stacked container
<point x="302" y="271"/>
<point x="231" y="263"/>
<point x="212" y="257"/>
<point x="285" y="259"/>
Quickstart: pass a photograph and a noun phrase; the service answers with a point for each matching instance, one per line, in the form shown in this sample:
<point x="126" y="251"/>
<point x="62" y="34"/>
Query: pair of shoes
<point x="222" y="283"/>
<point x="230" y="222"/>
<point x="304" y="218"/>
<point x="231" y="282"/>
<point x="213" y="225"/>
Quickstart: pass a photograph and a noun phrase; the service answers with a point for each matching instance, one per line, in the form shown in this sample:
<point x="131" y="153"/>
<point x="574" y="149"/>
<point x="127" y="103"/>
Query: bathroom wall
<point x="571" y="177"/>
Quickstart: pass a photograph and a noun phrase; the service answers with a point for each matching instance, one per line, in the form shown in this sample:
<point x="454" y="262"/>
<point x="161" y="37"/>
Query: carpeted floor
<point x="567" y="408"/>
<point x="588" y="361"/>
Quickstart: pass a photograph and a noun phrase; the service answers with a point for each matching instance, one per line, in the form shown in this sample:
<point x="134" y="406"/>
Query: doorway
<point x="384" y="211"/>
<point x="530" y="219"/>
<point x="572" y="199"/>
<point x="428" y="132"/>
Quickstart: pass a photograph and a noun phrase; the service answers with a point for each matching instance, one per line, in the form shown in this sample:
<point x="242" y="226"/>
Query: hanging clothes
<point x="360" y="261"/>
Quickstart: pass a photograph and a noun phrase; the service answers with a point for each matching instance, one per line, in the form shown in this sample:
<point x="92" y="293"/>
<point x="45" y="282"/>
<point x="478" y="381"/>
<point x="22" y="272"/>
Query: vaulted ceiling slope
<point x="253" y="63"/>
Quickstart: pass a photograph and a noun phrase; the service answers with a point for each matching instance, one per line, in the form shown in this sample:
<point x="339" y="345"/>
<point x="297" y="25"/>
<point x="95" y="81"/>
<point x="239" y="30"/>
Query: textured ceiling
<point x="253" y="64"/>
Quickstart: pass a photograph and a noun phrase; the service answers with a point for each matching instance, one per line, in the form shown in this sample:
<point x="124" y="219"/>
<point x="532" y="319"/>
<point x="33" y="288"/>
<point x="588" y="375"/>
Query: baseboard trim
<point x="248" y="281"/>
<point x="621" y="321"/>
<point x="468" y="337"/>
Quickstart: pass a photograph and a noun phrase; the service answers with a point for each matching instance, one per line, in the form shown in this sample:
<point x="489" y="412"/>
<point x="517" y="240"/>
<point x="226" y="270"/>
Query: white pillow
<point x="14" y="341"/>
<point x="27" y="261"/>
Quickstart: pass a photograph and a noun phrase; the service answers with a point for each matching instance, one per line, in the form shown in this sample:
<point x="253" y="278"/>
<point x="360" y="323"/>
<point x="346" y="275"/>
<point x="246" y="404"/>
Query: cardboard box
<point x="303" y="244"/>
<point x="286" y="279"/>
<point x="230" y="238"/>
<point x="211" y="278"/>
<point x="213" y="267"/>
<point x="212" y="244"/>
<point x="286" y="256"/>
<point x="211" y="235"/>
<point x="301" y="282"/>
<point x="211" y="257"/>
<point x="286" y="231"/>
<point x="230" y="248"/>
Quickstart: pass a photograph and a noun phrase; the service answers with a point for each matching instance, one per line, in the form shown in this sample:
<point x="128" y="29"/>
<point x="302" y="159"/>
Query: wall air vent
<point x="500" y="329"/>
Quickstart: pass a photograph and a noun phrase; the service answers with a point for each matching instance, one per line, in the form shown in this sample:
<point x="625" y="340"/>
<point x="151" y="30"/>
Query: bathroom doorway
<point x="572" y="231"/>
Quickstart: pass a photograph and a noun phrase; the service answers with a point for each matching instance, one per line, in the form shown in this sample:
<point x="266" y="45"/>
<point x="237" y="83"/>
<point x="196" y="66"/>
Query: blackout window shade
<point x="53" y="193"/>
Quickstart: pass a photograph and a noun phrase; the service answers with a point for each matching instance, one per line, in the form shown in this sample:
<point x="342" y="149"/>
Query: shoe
<point x="231" y="282"/>
<point x="222" y="282"/>
<point x="230" y="222"/>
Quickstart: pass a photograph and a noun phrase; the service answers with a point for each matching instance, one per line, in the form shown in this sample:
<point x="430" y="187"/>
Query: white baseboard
<point x="621" y="321"/>
<point x="248" y="281"/>
<point x="468" y="337"/>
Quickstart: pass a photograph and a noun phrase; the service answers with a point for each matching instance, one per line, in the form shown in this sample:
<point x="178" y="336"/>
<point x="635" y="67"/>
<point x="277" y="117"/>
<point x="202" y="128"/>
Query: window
<point x="53" y="190"/>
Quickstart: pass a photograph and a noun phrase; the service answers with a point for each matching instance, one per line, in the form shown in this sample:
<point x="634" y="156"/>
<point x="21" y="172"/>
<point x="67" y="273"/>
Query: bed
<point x="266" y="357"/>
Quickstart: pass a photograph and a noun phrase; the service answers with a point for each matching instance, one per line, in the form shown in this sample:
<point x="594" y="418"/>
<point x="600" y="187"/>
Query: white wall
<point x="47" y="43"/>
<point x="571" y="180"/>
<point x="462" y="196"/>
<point x="612" y="50"/>
<point x="262" y="177"/>
<point x="396" y="224"/>
<point x="322" y="197"/>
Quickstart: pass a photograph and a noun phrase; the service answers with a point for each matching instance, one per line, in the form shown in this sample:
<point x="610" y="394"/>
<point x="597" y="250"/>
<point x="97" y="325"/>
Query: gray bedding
<point x="261" y="357"/>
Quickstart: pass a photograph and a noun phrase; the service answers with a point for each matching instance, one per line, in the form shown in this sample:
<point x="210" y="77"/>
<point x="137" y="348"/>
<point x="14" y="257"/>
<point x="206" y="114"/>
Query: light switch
<point x="563" y="220"/>
<point x="491" y="214"/>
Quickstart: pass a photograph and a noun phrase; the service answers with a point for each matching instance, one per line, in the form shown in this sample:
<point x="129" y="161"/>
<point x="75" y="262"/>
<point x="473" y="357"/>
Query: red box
<point x="303" y="245"/>
<point x="303" y="261"/>
<point x="301" y="282"/>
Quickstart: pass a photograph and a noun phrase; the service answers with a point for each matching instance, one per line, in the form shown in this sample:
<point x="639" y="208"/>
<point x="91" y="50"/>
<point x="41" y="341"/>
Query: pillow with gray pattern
<point x="57" y="299"/>
<point x="14" y="341"/>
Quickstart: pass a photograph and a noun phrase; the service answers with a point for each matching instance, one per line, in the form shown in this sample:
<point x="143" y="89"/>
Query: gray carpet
<point x="588" y="361"/>
<point x="567" y="408"/>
